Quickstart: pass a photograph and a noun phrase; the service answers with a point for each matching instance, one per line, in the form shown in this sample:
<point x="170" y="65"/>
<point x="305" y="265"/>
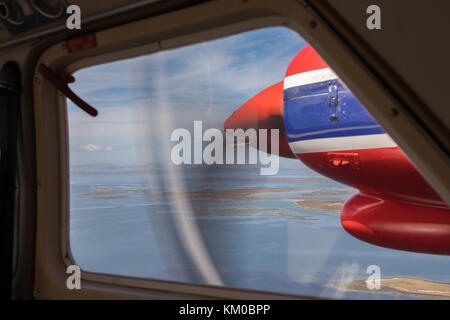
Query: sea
<point x="233" y="227"/>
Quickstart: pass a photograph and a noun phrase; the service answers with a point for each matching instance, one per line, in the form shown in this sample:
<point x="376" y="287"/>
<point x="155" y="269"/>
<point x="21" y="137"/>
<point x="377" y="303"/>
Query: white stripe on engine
<point x="309" y="77"/>
<point x="370" y="141"/>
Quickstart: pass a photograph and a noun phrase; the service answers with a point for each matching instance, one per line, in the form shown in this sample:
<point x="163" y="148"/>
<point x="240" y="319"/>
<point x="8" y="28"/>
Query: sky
<point x="143" y="99"/>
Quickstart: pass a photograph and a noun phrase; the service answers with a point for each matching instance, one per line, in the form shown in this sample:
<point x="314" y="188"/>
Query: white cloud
<point x="95" y="148"/>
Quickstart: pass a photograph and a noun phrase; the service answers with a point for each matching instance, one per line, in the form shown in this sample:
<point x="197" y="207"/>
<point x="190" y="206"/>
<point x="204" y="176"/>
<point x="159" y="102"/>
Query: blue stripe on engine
<point x="307" y="113"/>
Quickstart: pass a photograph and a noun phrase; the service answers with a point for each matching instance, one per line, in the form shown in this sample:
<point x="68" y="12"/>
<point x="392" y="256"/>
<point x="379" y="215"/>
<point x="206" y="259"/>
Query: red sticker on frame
<point x="85" y="42"/>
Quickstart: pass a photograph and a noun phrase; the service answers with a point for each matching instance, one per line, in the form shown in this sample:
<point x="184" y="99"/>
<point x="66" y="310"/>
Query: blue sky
<point x="142" y="100"/>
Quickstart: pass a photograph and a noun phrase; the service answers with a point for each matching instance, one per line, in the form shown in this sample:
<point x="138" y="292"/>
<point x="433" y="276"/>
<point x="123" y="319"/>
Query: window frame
<point x="190" y="25"/>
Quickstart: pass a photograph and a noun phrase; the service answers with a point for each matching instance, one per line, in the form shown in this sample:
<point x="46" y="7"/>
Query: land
<point x="312" y="200"/>
<point x="405" y="286"/>
<point x="303" y="198"/>
<point x="265" y="212"/>
<point x="108" y="191"/>
<point x="333" y="205"/>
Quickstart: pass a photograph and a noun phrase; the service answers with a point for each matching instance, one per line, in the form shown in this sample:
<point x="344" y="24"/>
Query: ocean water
<point x="277" y="233"/>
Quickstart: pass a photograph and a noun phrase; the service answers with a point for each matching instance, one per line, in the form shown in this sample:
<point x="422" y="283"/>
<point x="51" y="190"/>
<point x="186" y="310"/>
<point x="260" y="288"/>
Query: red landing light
<point x="344" y="159"/>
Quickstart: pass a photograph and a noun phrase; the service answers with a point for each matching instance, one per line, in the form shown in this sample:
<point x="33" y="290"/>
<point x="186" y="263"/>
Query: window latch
<point x="60" y="82"/>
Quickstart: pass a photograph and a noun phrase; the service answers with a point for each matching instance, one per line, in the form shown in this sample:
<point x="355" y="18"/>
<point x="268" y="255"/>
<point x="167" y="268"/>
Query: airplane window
<point x="191" y="173"/>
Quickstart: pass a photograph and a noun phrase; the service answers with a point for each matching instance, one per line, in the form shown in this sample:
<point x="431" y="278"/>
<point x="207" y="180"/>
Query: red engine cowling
<point x="395" y="208"/>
